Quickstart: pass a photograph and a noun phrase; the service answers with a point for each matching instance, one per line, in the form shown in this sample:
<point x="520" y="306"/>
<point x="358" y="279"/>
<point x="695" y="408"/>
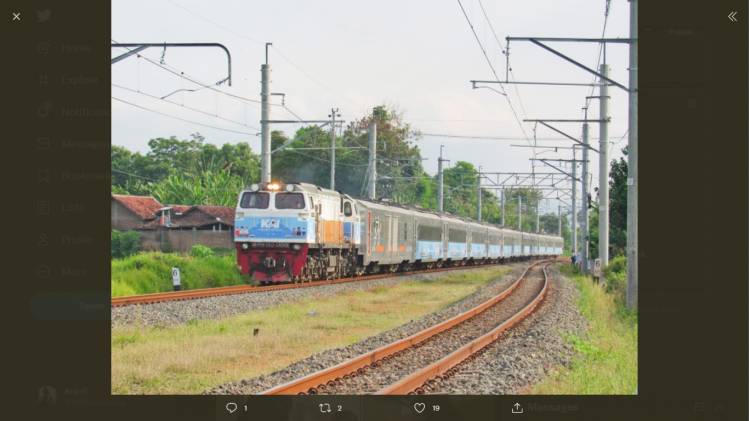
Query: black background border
<point x="693" y="141"/>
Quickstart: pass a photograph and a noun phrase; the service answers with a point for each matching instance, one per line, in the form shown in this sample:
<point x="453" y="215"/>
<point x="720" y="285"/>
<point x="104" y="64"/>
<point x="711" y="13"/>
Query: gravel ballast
<point x="400" y="365"/>
<point x="335" y="356"/>
<point x="171" y="313"/>
<point x="525" y="354"/>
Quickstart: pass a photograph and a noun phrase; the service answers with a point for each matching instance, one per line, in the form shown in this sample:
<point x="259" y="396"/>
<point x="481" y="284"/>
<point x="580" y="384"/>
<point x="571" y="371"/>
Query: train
<point x="299" y="232"/>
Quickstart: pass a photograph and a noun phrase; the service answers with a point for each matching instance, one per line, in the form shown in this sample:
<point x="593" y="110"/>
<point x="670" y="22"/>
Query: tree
<point x="207" y="188"/>
<point x="307" y="165"/>
<point x="185" y="171"/>
<point x="460" y="187"/>
<point x="618" y="205"/>
<point x="399" y="166"/>
<point x="529" y="201"/>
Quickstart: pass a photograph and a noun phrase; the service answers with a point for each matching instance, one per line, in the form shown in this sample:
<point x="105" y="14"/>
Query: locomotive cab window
<point x="347" y="208"/>
<point x="254" y="200"/>
<point x="290" y="201"/>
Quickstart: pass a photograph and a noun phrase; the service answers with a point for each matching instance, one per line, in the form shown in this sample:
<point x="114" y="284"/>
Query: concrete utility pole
<point x="537" y="216"/>
<point x="603" y="82"/>
<point x="479" y="194"/>
<point x="574" y="234"/>
<point x="632" y="212"/>
<point x="372" y="136"/>
<point x="604" y="162"/>
<point x="502" y="207"/>
<point x="559" y="220"/>
<point x="265" y="115"/>
<point x="440" y="180"/>
<point x="333" y="115"/>
<point x="585" y="197"/>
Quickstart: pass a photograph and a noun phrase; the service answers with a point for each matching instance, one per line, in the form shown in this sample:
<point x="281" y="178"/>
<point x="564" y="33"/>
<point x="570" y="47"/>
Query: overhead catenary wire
<point x="601" y="51"/>
<point x="509" y="138"/>
<point x="179" y="73"/>
<point x="181" y="119"/>
<point x="497" y="78"/>
<point x="184" y="106"/>
<point x="500" y="45"/>
<point x="283" y="56"/>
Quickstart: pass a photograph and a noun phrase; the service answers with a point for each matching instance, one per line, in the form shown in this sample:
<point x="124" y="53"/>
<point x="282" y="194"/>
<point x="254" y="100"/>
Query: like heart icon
<point x="419" y="407"/>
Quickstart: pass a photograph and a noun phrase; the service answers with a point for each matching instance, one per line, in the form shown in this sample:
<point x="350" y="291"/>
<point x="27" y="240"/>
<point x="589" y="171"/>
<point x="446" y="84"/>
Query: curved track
<point x="403" y="366"/>
<point x="244" y="289"/>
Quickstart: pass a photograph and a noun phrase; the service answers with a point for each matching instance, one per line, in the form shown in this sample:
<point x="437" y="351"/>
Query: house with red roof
<point x="173" y="227"/>
<point x="133" y="212"/>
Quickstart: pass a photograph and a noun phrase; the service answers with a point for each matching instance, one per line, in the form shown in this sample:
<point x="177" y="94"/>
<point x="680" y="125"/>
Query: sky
<point x="416" y="56"/>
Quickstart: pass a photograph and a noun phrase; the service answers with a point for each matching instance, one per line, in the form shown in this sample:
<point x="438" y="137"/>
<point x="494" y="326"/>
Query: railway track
<point x="405" y="366"/>
<point x="244" y="289"/>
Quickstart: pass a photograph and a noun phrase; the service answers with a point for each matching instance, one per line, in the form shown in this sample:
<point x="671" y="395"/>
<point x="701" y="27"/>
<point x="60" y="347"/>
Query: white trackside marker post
<point x="176" y="278"/>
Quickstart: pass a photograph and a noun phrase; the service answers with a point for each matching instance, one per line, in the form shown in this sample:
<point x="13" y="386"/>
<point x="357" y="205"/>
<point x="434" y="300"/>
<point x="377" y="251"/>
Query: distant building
<point x="133" y="212"/>
<point x="173" y="227"/>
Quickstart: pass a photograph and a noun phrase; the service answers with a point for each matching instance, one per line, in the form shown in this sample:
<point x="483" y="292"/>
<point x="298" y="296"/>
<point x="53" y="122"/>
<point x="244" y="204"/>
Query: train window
<point x="254" y="200"/>
<point x="290" y="201"/>
<point x="456" y="236"/>
<point x="347" y="208"/>
<point x="428" y="233"/>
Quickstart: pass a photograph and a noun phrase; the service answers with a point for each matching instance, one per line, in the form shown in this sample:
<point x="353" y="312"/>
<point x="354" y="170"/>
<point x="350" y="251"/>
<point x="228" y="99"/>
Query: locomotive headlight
<point x="254" y="187"/>
<point x="290" y="188"/>
<point x="273" y="186"/>
<point x="296" y="246"/>
<point x="245" y="246"/>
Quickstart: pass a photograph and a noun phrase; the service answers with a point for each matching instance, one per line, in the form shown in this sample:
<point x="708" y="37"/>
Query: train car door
<point x="445" y="241"/>
<point x="394" y="235"/>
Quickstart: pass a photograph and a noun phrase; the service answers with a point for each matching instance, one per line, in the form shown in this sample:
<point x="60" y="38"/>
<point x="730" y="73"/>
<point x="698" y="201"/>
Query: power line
<point x="202" y="84"/>
<point x="488" y="137"/>
<point x="601" y="50"/>
<point x="133" y="175"/>
<point x="184" y="106"/>
<point x="181" y="119"/>
<point x="500" y="45"/>
<point x="243" y="36"/>
<point x="218" y="25"/>
<point x="497" y="78"/>
<point x="179" y="73"/>
<point x="325" y="160"/>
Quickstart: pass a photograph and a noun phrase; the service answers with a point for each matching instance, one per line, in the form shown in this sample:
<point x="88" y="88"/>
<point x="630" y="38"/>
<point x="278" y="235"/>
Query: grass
<point x="608" y="353"/>
<point x="190" y="358"/>
<point x="149" y="272"/>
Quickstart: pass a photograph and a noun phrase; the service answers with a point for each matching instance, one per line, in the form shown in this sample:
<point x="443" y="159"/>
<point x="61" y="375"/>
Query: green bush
<point x="148" y="272"/>
<point x="616" y="264"/>
<point x="125" y="243"/>
<point x="617" y="278"/>
<point x="199" y="250"/>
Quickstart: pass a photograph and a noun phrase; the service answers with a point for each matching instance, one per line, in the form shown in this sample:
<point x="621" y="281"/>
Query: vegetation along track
<point x="404" y="366"/>
<point x="244" y="289"/>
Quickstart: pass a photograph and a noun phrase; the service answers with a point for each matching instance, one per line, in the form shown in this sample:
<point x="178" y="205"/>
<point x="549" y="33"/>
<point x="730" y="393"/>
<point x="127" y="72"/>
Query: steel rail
<point x="311" y="382"/>
<point x="447" y="365"/>
<point x="192" y="294"/>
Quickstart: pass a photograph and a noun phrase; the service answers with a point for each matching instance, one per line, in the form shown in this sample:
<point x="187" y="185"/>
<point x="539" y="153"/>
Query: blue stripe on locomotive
<point x="260" y="228"/>
<point x="352" y="232"/>
<point x="494" y="251"/>
<point x="429" y="250"/>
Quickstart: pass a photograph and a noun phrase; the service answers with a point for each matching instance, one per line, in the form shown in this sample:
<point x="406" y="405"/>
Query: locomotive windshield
<point x="290" y="201"/>
<point x="254" y="200"/>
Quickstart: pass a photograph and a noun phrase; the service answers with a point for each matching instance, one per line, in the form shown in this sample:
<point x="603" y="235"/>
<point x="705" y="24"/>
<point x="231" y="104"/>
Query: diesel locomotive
<point x="300" y="232"/>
